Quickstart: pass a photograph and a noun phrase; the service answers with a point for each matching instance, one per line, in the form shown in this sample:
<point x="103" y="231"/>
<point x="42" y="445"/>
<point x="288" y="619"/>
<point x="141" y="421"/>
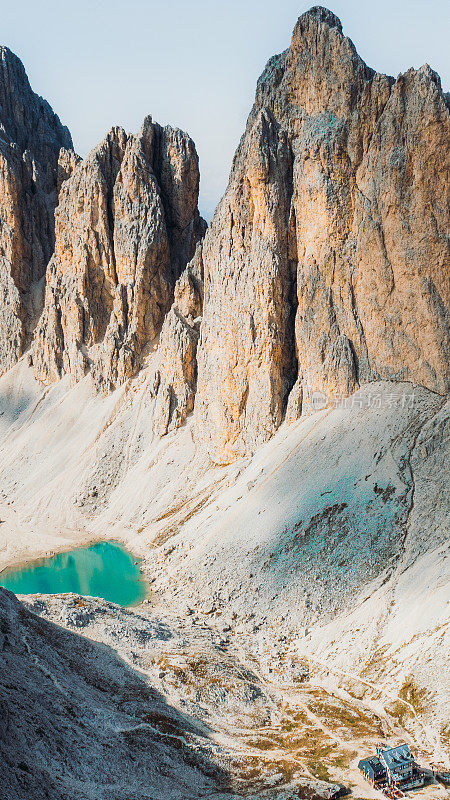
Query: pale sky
<point x="194" y="63"/>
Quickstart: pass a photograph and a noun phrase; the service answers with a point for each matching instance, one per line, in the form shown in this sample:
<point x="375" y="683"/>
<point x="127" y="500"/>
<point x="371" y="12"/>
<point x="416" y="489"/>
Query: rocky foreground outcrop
<point x="100" y="716"/>
<point x="126" y="225"/>
<point x="327" y="261"/>
<point x="76" y="720"/>
<point x="31" y="137"/>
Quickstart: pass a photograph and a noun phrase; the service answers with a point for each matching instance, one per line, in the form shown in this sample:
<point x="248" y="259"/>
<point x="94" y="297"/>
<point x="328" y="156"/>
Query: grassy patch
<point x="319" y="770"/>
<point x="328" y="761"/>
<point x="343" y="760"/>
<point x="445" y="736"/>
<point x="347" y="720"/>
<point x="398" y="710"/>
<point x="414" y="695"/>
<point x="376" y="662"/>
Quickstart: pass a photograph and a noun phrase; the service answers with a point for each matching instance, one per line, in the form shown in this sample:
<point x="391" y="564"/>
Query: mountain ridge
<point x="31" y="137"/>
<point x="306" y="189"/>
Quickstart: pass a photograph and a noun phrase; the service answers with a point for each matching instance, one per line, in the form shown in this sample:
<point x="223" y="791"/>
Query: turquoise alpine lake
<point x="105" y="570"/>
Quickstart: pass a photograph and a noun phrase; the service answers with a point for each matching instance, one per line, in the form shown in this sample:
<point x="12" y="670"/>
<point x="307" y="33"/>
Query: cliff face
<point x="31" y="137"/>
<point x="126" y="225"/>
<point x="175" y="374"/>
<point x="327" y="262"/>
<point x="326" y="265"/>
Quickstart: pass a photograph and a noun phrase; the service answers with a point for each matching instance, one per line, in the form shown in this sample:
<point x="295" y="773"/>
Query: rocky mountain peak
<point x="126" y="226"/>
<point x="321" y="14"/>
<point x="31" y="137"/>
<point x="326" y="264"/>
<point x="26" y="118"/>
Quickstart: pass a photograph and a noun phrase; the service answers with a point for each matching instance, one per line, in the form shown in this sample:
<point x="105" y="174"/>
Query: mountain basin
<point x="105" y="569"/>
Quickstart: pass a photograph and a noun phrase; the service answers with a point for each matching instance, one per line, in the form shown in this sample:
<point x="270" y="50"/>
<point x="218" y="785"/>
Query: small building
<point x="373" y="770"/>
<point x="392" y="767"/>
<point x="399" y="764"/>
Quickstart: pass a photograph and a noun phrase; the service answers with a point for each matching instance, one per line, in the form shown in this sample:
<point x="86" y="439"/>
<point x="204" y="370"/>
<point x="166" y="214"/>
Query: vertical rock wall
<point x="327" y="261"/>
<point x="126" y="225"/>
<point x="31" y="137"/>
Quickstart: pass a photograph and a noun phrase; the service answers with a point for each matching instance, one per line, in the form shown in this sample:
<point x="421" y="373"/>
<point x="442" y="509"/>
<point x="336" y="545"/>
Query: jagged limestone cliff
<point x="175" y="373"/>
<point x="327" y="261"/>
<point x="126" y="225"/>
<point x="31" y="137"/>
<point x="326" y="265"/>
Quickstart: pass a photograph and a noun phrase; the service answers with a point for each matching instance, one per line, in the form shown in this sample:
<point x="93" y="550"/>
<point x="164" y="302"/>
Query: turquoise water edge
<point x="104" y="570"/>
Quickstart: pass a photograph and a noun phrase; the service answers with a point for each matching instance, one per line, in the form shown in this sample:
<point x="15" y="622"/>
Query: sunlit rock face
<point x="327" y="261"/>
<point x="126" y="225"/>
<point x="31" y="137"/>
<point x="175" y="377"/>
